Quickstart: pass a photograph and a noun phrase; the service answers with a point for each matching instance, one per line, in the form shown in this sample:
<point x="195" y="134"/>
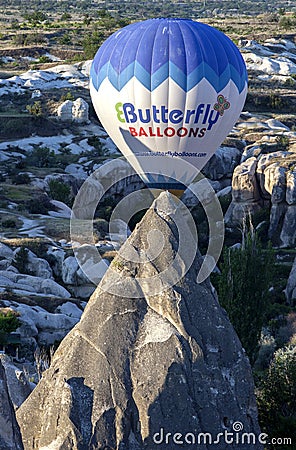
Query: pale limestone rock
<point x="6" y="252"/>
<point x="45" y="327"/>
<point x="222" y="163"/>
<point x="275" y="182"/>
<point x="291" y="188"/>
<point x="77" y="111"/>
<point x="33" y="284"/>
<point x="80" y="111"/>
<point x="244" y="182"/>
<point x="288" y="231"/>
<point x="38" y="267"/>
<point x="64" y="111"/>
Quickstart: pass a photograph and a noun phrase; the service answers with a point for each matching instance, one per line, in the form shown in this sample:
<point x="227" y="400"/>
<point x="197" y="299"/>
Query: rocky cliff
<point x="10" y="437"/>
<point x="138" y="369"/>
<point x="265" y="179"/>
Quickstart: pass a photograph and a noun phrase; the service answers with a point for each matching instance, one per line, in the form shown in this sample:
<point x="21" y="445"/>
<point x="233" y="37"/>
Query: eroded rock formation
<point x="267" y="181"/>
<point x="10" y="437"/>
<point x="142" y="363"/>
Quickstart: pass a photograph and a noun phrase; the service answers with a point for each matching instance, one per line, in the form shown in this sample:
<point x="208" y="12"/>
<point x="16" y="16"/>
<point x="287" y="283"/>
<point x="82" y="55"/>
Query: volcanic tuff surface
<point x="10" y="437"/>
<point x="137" y="363"/>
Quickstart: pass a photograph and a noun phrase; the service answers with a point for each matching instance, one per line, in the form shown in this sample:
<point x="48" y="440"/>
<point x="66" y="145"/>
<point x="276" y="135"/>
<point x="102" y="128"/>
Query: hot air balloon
<point x="167" y="90"/>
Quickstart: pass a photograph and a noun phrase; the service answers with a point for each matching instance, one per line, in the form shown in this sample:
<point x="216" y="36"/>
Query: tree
<point x="60" y="191"/>
<point x="91" y="43"/>
<point x="21" y="260"/>
<point x="277" y="396"/>
<point x="35" y="109"/>
<point x="243" y="288"/>
<point x="87" y="19"/>
<point x="65" y="16"/>
<point x="41" y="157"/>
<point x="286" y="23"/>
<point x="35" y="17"/>
<point x="9" y="322"/>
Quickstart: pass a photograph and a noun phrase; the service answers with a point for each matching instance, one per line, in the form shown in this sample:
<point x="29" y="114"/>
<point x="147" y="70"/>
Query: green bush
<point x="67" y="96"/>
<point x="21" y="178"/>
<point x="277" y="397"/>
<point x="41" y="157"/>
<point x="286" y="23"/>
<point x="9" y="321"/>
<point x="8" y="223"/>
<point x="44" y="59"/>
<point x="283" y="142"/>
<point x="60" y="191"/>
<point x="243" y="286"/>
<point x="91" y="43"/>
<point x="35" y="109"/>
<point x="99" y="148"/>
<point x="3" y="337"/>
<point x="11" y="127"/>
<point x="39" y="205"/>
<point x="276" y="101"/>
<point x="21" y="260"/>
<point x="65" y="16"/>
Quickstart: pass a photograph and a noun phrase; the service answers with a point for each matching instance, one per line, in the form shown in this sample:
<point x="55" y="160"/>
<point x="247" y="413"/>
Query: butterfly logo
<point x="221" y="105"/>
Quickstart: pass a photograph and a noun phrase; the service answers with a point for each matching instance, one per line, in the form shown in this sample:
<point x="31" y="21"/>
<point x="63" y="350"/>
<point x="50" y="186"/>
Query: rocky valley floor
<point x="51" y="142"/>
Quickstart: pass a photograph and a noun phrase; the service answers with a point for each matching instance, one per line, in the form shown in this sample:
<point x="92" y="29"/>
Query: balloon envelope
<point x="165" y="90"/>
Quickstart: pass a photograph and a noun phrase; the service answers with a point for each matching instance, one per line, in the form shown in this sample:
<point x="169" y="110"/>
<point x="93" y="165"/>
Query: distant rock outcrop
<point x="76" y="111"/>
<point x="10" y="437"/>
<point x="267" y="180"/>
<point x="139" y="366"/>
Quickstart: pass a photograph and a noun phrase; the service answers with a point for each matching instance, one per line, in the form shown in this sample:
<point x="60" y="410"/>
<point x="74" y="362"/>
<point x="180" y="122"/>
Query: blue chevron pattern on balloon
<point x="186" y="51"/>
<point x="169" y="70"/>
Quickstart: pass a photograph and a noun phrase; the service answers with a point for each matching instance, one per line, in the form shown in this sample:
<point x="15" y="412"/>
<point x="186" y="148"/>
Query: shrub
<point x="11" y="127"/>
<point x="41" y="157"/>
<point x="65" y="39"/>
<point x="9" y="321"/>
<point x="67" y="96"/>
<point x="277" y="396"/>
<point x="65" y="16"/>
<point x="283" y="142"/>
<point x="21" y="260"/>
<point x="99" y="148"/>
<point x="60" y="191"/>
<point x="35" y="109"/>
<point x="91" y="43"/>
<point x="265" y="353"/>
<point x="39" y="205"/>
<point x="8" y="223"/>
<point x="276" y="101"/>
<point x="44" y="59"/>
<point x="286" y="23"/>
<point x="243" y="288"/>
<point x="21" y="178"/>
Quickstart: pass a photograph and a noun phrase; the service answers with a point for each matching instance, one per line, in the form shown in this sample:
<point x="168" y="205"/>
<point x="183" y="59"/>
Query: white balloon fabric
<point x="168" y="89"/>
